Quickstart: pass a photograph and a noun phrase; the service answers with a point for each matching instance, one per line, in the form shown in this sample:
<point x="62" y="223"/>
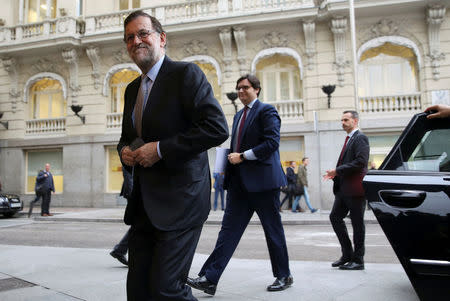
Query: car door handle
<point x="403" y="198"/>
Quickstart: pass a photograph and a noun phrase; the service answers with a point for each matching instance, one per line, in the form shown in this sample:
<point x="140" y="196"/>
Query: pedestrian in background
<point x="291" y="179"/>
<point x="302" y="179"/>
<point x="121" y="249"/>
<point x="218" y="189"/>
<point x="43" y="188"/>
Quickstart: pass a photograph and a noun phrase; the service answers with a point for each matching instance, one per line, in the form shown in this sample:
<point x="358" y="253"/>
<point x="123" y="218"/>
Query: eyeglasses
<point x="142" y="34"/>
<point x="245" y="88"/>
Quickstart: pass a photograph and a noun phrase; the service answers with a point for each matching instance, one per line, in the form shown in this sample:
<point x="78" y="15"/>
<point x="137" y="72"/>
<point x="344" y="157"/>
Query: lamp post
<point x="328" y="90"/>
<point x="233" y="96"/>
<point x="4" y="123"/>
<point x="76" y="109"/>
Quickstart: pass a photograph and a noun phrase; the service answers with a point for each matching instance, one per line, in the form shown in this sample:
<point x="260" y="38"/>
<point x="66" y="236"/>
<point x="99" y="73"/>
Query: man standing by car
<point x="46" y="178"/>
<point x="349" y="193"/>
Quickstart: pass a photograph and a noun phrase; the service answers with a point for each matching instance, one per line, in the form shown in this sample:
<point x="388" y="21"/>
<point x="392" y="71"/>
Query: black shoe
<point x="203" y="284"/>
<point x="339" y="262"/>
<point x="281" y="284"/>
<point x="353" y="266"/>
<point x="119" y="257"/>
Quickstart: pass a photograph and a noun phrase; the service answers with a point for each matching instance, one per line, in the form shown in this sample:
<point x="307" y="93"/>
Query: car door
<point x="409" y="196"/>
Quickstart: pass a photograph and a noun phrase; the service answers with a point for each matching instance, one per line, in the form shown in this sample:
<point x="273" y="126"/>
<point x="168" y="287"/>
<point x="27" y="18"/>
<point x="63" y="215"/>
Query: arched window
<point x="47" y="99"/>
<point x="118" y="84"/>
<point x="388" y="69"/>
<point x="211" y="74"/>
<point x="129" y="4"/>
<point x="280" y="78"/>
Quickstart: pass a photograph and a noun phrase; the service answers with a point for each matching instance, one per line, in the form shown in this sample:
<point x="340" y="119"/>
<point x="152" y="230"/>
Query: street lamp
<point x="76" y="109"/>
<point x="4" y="123"/>
<point x="233" y="96"/>
<point x="328" y="90"/>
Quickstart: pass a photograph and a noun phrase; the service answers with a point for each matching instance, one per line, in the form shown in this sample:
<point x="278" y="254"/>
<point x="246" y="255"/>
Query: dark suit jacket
<point x="261" y="133"/>
<point x="44" y="182"/>
<point x="184" y="116"/>
<point x="353" y="167"/>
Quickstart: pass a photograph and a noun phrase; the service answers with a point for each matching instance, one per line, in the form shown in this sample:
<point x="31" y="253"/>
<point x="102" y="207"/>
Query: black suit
<point x="171" y="199"/>
<point x="253" y="186"/>
<point x="349" y="196"/>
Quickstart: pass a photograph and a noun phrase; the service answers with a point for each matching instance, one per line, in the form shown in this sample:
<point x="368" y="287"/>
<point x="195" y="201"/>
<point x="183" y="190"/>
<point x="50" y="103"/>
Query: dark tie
<point x="343" y="149"/>
<point x="138" y="107"/>
<point x="241" y="126"/>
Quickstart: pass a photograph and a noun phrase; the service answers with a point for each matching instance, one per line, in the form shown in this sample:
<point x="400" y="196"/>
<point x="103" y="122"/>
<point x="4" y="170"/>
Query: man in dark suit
<point x="170" y="120"/>
<point x="253" y="179"/>
<point x="349" y="193"/>
<point x="44" y="187"/>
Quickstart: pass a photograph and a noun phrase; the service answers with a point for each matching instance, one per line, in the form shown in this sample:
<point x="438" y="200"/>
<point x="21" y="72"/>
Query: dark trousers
<point x="122" y="247"/>
<point x="159" y="261"/>
<point x="356" y="206"/>
<point x="45" y="205"/>
<point x="238" y="211"/>
<point x="33" y="202"/>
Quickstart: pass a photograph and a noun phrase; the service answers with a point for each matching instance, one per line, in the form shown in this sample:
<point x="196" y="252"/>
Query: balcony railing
<point x="114" y="121"/>
<point x="390" y="103"/>
<point x="170" y="14"/>
<point x="289" y="109"/>
<point x="46" y="126"/>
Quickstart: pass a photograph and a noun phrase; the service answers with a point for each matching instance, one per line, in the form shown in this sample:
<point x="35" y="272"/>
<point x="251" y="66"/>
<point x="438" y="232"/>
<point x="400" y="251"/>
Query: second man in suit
<point x="349" y="193"/>
<point x="253" y="179"/>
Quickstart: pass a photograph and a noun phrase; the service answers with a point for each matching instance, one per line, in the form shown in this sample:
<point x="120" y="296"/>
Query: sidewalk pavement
<point x="320" y="217"/>
<point x="66" y="274"/>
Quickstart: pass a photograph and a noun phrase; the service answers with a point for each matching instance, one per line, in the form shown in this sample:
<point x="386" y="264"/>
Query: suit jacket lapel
<point x="235" y="124"/>
<point x="349" y="143"/>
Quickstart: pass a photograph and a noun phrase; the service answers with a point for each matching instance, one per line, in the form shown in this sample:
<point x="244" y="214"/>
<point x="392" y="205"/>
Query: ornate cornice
<point x="309" y="29"/>
<point x="121" y="57"/>
<point x="70" y="56"/>
<point x="241" y="44"/>
<point x="435" y="17"/>
<point x="93" y="54"/>
<point x="338" y="27"/>
<point x="225" y="39"/>
<point x="10" y="65"/>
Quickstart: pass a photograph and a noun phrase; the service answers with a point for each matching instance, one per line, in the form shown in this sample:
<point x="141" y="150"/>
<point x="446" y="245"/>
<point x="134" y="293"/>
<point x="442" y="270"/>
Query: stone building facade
<point x="62" y="54"/>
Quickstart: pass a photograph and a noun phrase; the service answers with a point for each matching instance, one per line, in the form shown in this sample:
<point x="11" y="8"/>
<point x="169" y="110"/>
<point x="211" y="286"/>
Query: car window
<point x="424" y="145"/>
<point x="432" y="153"/>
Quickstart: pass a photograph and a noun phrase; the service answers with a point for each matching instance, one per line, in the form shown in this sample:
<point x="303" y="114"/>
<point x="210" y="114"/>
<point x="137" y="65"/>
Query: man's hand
<point x="330" y="174"/>
<point x="235" y="158"/>
<point x="128" y="157"/>
<point x="442" y="111"/>
<point x="147" y="155"/>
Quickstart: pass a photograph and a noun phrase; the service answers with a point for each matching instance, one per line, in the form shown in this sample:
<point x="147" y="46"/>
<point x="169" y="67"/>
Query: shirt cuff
<point x="250" y="155"/>
<point x="159" y="152"/>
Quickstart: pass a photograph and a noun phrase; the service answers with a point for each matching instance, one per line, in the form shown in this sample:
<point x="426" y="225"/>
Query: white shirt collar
<point x="350" y="135"/>
<point x="153" y="72"/>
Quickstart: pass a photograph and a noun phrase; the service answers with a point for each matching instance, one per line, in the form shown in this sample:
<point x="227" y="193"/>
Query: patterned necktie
<point x="343" y="149"/>
<point x="241" y="126"/>
<point x="139" y="105"/>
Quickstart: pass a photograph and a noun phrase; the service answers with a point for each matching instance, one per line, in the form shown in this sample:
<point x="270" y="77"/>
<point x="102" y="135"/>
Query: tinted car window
<point x="432" y="153"/>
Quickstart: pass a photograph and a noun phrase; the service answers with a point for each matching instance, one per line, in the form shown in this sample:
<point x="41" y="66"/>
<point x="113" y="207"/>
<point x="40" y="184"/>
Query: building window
<point x="36" y="161"/>
<point x="280" y="78"/>
<point x="39" y="10"/>
<point x="380" y="146"/>
<point x="129" y="4"/>
<point x="211" y="75"/>
<point x="388" y="70"/>
<point x="118" y="84"/>
<point x="47" y="100"/>
<point x="114" y="173"/>
<point x="291" y="149"/>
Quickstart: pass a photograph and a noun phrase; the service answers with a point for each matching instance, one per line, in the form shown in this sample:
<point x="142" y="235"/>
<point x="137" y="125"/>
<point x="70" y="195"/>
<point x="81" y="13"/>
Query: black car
<point x="10" y="204"/>
<point x="410" y="197"/>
